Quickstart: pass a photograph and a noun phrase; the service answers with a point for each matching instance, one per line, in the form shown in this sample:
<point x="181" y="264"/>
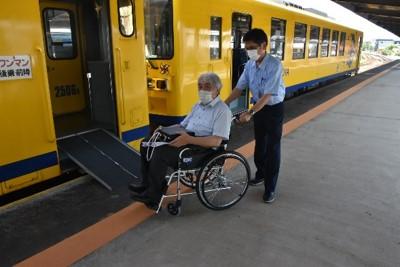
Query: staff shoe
<point x="269" y="197"/>
<point x="256" y="181"/>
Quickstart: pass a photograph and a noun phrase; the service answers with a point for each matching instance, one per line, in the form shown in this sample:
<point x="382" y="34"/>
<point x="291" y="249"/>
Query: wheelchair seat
<point x="192" y="156"/>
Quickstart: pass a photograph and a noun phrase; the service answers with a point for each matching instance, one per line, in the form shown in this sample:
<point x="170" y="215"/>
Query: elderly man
<point x="209" y="120"/>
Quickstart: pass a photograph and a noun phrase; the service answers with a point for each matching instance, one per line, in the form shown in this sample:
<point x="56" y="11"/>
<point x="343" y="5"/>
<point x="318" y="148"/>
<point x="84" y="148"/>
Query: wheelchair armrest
<point x="190" y="149"/>
<point x="222" y="146"/>
<point x="198" y="149"/>
<point x="183" y="151"/>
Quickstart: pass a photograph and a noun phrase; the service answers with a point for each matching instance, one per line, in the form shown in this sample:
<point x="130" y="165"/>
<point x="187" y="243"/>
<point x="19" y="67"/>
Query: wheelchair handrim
<point x="200" y="187"/>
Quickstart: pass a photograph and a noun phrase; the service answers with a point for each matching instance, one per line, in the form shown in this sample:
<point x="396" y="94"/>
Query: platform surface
<point x="338" y="201"/>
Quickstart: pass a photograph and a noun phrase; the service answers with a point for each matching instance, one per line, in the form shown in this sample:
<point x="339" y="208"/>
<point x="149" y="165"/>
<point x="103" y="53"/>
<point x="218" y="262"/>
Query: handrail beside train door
<point x="50" y="132"/>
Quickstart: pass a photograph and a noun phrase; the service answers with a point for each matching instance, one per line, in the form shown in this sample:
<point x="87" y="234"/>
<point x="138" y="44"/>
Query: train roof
<point x="303" y="12"/>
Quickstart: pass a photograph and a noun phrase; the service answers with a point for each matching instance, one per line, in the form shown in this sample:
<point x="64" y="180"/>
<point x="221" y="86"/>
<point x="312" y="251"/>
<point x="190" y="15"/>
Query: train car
<point x="67" y="67"/>
<point x="187" y="38"/>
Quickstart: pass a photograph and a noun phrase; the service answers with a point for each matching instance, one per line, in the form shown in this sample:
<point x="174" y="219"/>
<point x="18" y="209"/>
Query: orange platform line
<point x="81" y="244"/>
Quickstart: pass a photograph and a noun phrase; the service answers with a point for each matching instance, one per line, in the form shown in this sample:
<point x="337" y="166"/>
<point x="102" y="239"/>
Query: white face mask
<point x="253" y="54"/>
<point x="205" y="97"/>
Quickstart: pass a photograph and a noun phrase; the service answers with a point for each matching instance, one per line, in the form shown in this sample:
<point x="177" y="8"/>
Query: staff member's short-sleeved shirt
<point x="264" y="79"/>
<point x="213" y="119"/>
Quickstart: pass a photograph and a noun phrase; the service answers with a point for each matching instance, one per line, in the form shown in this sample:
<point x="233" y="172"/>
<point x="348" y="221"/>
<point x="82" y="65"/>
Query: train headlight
<point x="150" y="83"/>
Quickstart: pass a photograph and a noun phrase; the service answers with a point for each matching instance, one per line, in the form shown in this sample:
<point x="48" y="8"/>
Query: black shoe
<point x="256" y="181"/>
<point x="269" y="197"/>
<point x="137" y="188"/>
<point x="142" y="197"/>
<point x="152" y="205"/>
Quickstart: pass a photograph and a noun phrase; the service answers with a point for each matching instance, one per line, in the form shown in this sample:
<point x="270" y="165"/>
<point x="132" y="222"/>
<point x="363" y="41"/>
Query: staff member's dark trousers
<point x="268" y="124"/>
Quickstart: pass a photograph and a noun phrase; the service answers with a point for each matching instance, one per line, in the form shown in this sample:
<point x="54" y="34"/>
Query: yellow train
<point x="187" y="38"/>
<point x="70" y="66"/>
<point x="67" y="67"/>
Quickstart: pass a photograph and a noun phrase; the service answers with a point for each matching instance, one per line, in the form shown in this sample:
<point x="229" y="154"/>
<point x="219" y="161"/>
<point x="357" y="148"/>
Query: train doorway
<point x="80" y="75"/>
<point x="79" y="65"/>
<point x="241" y="24"/>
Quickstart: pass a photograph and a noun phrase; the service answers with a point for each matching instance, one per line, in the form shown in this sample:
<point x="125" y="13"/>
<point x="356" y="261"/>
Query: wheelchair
<point x="219" y="177"/>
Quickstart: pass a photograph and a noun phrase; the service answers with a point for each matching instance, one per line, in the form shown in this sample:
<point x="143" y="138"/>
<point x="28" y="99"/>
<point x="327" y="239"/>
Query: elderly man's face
<point x="206" y="86"/>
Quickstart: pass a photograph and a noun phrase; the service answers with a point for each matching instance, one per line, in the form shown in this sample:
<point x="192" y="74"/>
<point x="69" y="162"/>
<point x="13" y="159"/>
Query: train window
<point x="126" y="12"/>
<point x="334" y="43"/>
<point x="278" y="33"/>
<point x="353" y="42"/>
<point x="326" y="35"/>
<point x="342" y="43"/>
<point x="299" y="45"/>
<point x="159" y="29"/>
<point x="241" y="24"/>
<point x="215" y="37"/>
<point x="60" y="35"/>
<point x="314" y="42"/>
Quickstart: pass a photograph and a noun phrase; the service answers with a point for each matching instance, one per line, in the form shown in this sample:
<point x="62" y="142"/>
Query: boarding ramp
<point x="102" y="155"/>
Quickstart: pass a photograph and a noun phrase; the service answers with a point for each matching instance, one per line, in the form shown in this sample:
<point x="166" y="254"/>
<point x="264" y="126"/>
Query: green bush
<point x="391" y="50"/>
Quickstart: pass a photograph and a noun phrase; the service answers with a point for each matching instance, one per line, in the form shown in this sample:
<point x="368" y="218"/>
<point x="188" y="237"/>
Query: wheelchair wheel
<point x="223" y="180"/>
<point x="189" y="180"/>
<point x="174" y="209"/>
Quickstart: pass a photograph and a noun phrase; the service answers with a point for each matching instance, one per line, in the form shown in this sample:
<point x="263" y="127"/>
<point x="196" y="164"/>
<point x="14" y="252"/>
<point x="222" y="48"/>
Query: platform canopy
<point x="385" y="13"/>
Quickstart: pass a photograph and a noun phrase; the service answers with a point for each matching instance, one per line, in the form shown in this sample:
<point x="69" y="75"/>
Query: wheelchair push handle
<point x="236" y="117"/>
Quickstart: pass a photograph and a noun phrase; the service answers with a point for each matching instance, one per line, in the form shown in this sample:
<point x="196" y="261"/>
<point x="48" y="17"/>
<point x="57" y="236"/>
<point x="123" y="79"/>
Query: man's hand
<point x="182" y="140"/>
<point x="244" y="117"/>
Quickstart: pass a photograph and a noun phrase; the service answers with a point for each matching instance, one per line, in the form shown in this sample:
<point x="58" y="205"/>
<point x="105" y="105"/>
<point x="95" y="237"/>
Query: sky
<point x="347" y="17"/>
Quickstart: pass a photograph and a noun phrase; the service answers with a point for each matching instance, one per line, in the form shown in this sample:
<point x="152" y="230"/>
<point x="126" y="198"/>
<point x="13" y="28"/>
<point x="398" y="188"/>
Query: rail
<point x="121" y="81"/>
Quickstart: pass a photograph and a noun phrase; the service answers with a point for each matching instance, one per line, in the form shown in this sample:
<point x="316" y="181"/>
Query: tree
<point x="367" y="46"/>
<point x="391" y="50"/>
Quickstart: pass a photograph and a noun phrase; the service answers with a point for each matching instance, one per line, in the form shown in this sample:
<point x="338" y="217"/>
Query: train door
<point x="64" y="57"/>
<point x="241" y="24"/>
<point x="360" y="43"/>
<point x="101" y="35"/>
<point x="79" y="65"/>
<point x="130" y="69"/>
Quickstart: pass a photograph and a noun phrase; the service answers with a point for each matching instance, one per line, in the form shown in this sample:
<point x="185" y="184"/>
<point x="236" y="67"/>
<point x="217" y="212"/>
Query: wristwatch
<point x="252" y="112"/>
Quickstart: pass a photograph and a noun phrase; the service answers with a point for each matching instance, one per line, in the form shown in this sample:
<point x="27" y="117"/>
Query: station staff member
<point x="263" y="76"/>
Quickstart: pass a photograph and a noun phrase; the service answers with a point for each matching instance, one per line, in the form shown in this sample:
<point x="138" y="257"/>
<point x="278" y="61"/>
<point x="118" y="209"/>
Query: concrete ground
<point x="56" y="214"/>
<point x="338" y="202"/>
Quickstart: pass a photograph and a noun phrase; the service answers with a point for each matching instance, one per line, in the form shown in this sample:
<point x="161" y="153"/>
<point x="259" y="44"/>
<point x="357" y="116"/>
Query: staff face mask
<point x="253" y="54"/>
<point x="205" y="97"/>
